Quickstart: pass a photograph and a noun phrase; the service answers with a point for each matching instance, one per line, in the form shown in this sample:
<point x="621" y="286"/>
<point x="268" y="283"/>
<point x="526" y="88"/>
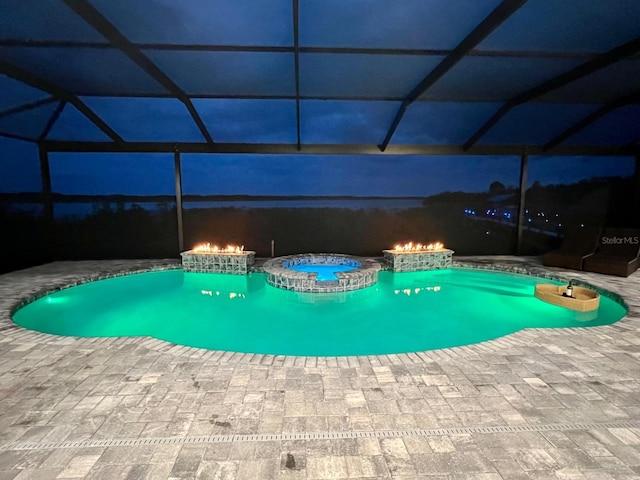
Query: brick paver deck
<point x="543" y="404"/>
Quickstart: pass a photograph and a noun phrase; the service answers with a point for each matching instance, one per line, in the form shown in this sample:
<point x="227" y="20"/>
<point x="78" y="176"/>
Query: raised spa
<point x="321" y="272"/>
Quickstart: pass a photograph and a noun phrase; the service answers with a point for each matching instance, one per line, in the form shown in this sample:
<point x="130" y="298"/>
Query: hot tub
<point x="321" y="272"/>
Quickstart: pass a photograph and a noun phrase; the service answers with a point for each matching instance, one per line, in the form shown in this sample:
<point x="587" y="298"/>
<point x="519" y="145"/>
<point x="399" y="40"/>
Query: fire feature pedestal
<point x="230" y="263"/>
<point x="417" y="261"/>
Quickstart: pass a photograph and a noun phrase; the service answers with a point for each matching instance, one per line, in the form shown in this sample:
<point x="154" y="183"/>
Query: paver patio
<point x="543" y="404"/>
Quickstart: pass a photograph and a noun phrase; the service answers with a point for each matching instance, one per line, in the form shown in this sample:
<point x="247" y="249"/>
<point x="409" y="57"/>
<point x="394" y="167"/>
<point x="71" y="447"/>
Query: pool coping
<point x="630" y="322"/>
<point x="43" y="292"/>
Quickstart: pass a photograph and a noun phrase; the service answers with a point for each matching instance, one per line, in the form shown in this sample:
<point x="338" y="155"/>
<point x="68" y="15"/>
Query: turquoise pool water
<point x="403" y="312"/>
<point x="326" y="272"/>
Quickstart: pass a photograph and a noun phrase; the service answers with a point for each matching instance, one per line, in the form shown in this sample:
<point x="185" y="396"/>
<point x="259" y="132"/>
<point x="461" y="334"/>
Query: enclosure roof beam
<point x="60" y="93"/>
<point x="13" y="136"/>
<point x="296" y="51"/>
<point x="94" y="18"/>
<point x="601" y="61"/>
<point x="52" y="120"/>
<point x="488" y="25"/>
<point x="332" y="149"/>
<point x="634" y="98"/>
<point x="28" y="106"/>
<point x="177" y="47"/>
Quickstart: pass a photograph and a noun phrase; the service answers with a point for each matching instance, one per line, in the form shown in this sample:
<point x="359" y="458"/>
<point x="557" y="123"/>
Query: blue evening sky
<point x="379" y="175"/>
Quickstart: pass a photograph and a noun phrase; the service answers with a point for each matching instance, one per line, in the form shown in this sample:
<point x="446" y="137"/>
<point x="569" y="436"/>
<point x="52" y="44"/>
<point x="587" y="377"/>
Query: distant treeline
<point x="560" y="192"/>
<point x="28" y="197"/>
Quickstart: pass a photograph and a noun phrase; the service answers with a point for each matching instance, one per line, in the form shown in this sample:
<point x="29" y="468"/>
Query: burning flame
<point x="418" y="247"/>
<point x="208" y="248"/>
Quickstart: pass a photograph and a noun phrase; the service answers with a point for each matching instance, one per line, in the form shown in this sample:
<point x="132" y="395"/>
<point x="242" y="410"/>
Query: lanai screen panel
<point x="114" y="205"/>
<point x="202" y="22"/>
<point x="231" y="78"/>
<point x="264" y="66"/>
<point x="44" y="21"/>
<point x="358" y="204"/>
<point x="21" y="206"/>
<point x="570" y="194"/>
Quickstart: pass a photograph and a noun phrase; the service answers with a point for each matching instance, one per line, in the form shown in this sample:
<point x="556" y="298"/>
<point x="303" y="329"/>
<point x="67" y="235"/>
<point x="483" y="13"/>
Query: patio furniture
<point x="617" y="254"/>
<point x="577" y="245"/>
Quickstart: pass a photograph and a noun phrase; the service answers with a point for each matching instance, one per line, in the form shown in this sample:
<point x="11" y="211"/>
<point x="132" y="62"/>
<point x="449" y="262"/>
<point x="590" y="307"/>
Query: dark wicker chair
<point x="616" y="257"/>
<point x="577" y="245"/>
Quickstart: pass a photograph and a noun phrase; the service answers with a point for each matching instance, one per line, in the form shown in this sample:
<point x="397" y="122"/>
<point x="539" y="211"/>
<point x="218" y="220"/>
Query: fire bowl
<point x="415" y="261"/>
<point x="209" y="262"/>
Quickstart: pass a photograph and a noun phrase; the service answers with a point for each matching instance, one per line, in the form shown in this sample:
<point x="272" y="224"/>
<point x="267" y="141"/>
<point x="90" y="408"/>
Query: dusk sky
<point x="383" y="175"/>
<point x="346" y="97"/>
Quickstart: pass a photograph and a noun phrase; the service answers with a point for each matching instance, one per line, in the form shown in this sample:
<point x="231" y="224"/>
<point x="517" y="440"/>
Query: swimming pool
<point x="404" y="312"/>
